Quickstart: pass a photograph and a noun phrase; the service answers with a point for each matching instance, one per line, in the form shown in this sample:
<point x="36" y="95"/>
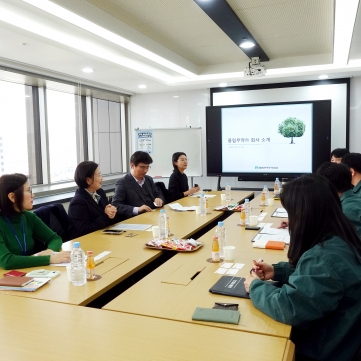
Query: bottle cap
<point x="76" y="245"/>
<point x="264" y="186"/>
<point x="227" y="184"/>
<point x="246" y="200"/>
<point x="221" y="224"/>
<point x="90" y="252"/>
<point x="162" y="211"/>
<point x="277" y="179"/>
<point x="202" y="195"/>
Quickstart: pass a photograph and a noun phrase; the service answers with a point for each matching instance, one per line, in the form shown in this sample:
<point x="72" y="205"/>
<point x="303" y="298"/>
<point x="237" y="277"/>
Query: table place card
<point x="232" y="271"/>
<point x="238" y="265"/>
<point x="227" y="265"/>
<point x="221" y="271"/>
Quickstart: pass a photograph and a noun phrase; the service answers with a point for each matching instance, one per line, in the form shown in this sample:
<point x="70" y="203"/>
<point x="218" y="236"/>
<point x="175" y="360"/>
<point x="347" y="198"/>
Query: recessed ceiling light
<point x="247" y="45"/>
<point x="142" y="86"/>
<point x="87" y="70"/>
<point x="175" y="96"/>
<point x="222" y="84"/>
<point x="323" y="77"/>
<point x="27" y="96"/>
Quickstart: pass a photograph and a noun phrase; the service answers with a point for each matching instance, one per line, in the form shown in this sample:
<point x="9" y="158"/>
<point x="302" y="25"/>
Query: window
<point x="13" y="128"/>
<point x="61" y="109"/>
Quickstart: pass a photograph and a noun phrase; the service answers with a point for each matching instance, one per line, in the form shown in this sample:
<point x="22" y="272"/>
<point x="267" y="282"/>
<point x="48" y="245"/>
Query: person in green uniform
<point x="18" y="226"/>
<point x="353" y="161"/>
<point x="319" y="289"/>
<point x="340" y="176"/>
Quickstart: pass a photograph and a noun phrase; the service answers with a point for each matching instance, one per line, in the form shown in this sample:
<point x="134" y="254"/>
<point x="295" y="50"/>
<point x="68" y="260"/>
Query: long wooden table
<point x="35" y="330"/>
<point x="128" y="254"/>
<point x="176" y="288"/>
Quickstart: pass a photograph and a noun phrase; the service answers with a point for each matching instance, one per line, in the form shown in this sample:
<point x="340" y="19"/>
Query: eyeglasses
<point x="29" y="190"/>
<point x="183" y="159"/>
<point x="144" y="167"/>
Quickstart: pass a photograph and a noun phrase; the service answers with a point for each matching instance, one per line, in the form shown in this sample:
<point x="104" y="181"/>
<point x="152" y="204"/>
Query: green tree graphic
<point x="292" y="127"/>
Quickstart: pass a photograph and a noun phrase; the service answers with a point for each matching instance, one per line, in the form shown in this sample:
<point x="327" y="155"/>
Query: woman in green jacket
<point x="320" y="286"/>
<point x="18" y="227"/>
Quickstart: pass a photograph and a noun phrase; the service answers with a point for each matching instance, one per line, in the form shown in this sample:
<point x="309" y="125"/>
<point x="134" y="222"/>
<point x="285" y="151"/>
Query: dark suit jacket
<point x="178" y="183"/>
<point x="85" y="215"/>
<point x="128" y="194"/>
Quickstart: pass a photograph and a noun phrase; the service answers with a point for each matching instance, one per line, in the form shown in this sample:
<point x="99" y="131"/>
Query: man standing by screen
<point x="136" y="192"/>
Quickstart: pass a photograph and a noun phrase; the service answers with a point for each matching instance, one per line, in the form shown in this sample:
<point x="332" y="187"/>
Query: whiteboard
<point x="162" y="143"/>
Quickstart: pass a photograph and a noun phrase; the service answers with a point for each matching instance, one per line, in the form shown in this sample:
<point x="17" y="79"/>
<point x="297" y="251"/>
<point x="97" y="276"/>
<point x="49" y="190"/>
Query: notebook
<point x="15" y="281"/>
<point x="32" y="286"/>
<point x="230" y="286"/>
<point x="216" y="315"/>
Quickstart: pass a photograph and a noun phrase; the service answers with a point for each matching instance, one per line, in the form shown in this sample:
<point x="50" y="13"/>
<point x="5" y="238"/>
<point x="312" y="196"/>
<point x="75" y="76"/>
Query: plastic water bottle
<point x="276" y="188"/>
<point x="202" y="205"/>
<point x="264" y="196"/>
<point x="77" y="264"/>
<point x="228" y="194"/>
<point x="247" y="210"/>
<point x="163" y="225"/>
<point x="221" y="234"/>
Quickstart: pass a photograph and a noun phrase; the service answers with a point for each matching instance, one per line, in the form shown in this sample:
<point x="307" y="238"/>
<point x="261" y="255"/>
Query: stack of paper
<point x="180" y="208"/>
<point x="280" y="212"/>
<point x="272" y="234"/>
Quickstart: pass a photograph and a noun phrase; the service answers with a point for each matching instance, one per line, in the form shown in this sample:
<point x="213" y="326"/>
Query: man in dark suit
<point x="136" y="192"/>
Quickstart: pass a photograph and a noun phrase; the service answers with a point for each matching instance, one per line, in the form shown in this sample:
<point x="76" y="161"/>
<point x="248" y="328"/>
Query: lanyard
<point x="23" y="229"/>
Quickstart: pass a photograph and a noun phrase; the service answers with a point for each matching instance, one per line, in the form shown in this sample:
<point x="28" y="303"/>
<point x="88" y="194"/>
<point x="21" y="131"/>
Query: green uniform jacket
<point x="351" y="207"/>
<point x="320" y="298"/>
<point x="357" y="189"/>
<point x="11" y="253"/>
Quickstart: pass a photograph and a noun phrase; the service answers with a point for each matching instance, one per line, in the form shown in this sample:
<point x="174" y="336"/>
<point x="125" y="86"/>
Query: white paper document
<point x="178" y="207"/>
<point x="198" y="195"/>
<point x="280" y="212"/>
<point x="275" y="231"/>
<point x="271" y="237"/>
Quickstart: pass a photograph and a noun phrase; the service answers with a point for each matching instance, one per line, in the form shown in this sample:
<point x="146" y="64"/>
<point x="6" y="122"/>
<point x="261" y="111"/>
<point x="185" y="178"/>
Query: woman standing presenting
<point x="320" y="289"/>
<point x="178" y="181"/>
<point x="89" y="210"/>
<point x="18" y="226"/>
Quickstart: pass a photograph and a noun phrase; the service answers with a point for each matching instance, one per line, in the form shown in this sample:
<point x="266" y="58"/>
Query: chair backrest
<point x="163" y="191"/>
<point x="56" y="218"/>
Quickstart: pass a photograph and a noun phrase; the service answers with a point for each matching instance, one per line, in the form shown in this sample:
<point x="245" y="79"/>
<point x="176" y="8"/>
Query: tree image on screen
<point x="292" y="128"/>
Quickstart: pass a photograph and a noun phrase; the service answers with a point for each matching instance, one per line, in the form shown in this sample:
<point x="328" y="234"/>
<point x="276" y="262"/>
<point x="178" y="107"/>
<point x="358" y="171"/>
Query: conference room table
<point x="36" y="330"/>
<point x="127" y="254"/>
<point x="176" y="288"/>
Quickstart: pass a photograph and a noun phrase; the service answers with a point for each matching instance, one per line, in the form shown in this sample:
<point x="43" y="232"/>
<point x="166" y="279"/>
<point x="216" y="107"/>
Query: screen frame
<point x="321" y="139"/>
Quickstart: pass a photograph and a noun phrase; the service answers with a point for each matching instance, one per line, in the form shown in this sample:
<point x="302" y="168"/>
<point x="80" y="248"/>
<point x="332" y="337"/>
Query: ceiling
<point x="170" y="45"/>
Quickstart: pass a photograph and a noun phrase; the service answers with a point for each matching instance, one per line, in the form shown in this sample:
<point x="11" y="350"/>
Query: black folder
<point x="230" y="286"/>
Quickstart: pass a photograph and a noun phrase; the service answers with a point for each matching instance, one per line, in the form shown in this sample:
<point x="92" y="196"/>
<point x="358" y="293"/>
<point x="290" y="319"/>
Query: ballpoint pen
<point x="254" y="269"/>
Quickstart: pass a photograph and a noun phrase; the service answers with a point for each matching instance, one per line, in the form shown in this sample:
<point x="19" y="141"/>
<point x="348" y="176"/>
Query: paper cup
<point x="229" y="253"/>
<point x="198" y="210"/>
<point x="68" y="271"/>
<point x="155" y="231"/>
<point x="271" y="201"/>
<point x="253" y="220"/>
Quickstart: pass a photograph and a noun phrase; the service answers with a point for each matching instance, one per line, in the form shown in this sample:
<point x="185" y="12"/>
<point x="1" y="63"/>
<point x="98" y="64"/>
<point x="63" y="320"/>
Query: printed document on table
<point x="178" y="207"/>
<point x="280" y="212"/>
<point x="271" y="237"/>
<point x="198" y="195"/>
<point x="130" y="227"/>
<point x="275" y="231"/>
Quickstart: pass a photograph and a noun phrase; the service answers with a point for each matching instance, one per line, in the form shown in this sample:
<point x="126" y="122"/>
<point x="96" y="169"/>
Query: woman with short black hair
<point x="321" y="284"/>
<point x="89" y="210"/>
<point x="178" y="181"/>
<point x="19" y="227"/>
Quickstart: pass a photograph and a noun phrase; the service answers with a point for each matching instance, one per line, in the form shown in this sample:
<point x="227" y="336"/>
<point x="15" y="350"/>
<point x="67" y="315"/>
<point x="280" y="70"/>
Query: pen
<point x="256" y="267"/>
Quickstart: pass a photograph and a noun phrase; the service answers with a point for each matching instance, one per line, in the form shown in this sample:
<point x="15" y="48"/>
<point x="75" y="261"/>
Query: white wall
<point x="162" y="110"/>
<point x="355" y="115"/>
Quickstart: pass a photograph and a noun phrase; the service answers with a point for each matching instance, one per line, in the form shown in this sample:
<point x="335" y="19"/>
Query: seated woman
<point x="178" y="181"/>
<point x="18" y="228"/>
<point x="89" y="210"/>
<point x="320" y="289"/>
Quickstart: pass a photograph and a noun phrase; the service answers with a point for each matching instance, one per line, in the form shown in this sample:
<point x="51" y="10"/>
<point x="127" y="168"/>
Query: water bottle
<point x="264" y="196"/>
<point x="247" y="210"/>
<point x="276" y="188"/>
<point x="202" y="205"/>
<point x="221" y="234"/>
<point x="228" y="194"/>
<point x="163" y="225"/>
<point x="77" y="265"/>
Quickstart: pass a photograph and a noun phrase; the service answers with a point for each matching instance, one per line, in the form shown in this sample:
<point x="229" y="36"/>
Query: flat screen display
<point x="264" y="141"/>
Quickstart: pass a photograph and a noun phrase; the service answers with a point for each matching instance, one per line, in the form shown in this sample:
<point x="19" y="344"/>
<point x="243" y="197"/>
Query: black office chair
<point x="56" y="218"/>
<point x="163" y="191"/>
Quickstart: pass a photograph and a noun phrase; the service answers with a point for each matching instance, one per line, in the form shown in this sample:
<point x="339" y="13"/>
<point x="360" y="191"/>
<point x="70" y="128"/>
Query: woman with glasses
<point x="178" y="181"/>
<point x="89" y="210"/>
<point x="19" y="227"/>
<point x="320" y="286"/>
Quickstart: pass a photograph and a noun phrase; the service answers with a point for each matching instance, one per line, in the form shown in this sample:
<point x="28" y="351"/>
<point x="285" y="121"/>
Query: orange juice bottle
<point x="90" y="266"/>
<point x="215" y="250"/>
<point x="243" y="218"/>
